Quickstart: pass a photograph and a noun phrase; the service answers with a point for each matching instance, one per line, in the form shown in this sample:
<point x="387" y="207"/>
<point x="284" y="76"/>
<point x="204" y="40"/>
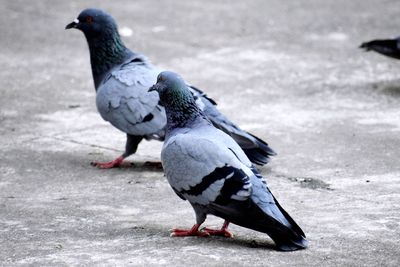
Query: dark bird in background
<point x="122" y="78"/>
<point x="207" y="167"/>
<point x="387" y="47"/>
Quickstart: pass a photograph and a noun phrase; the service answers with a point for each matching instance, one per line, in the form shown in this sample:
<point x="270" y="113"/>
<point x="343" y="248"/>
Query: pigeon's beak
<point x="73" y="24"/>
<point x="153" y="88"/>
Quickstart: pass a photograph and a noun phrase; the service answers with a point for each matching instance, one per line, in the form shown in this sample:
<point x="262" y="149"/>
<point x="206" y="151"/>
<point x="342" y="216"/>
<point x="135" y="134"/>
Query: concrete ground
<point x="288" y="71"/>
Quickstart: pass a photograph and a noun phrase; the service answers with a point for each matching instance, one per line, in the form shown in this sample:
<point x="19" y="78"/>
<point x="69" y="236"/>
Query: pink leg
<point x="108" y="165"/>
<point x="192" y="232"/>
<point x="222" y="232"/>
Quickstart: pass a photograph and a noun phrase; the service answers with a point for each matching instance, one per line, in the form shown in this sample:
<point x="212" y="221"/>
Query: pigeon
<point x="122" y="79"/>
<point x="208" y="168"/>
<point x="387" y="47"/>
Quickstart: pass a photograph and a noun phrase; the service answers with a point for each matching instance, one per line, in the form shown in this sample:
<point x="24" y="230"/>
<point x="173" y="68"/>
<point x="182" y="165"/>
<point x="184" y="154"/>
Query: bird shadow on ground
<point x="140" y="166"/>
<point x="390" y="88"/>
<point x="154" y="166"/>
<point x="215" y="241"/>
<point x="238" y="241"/>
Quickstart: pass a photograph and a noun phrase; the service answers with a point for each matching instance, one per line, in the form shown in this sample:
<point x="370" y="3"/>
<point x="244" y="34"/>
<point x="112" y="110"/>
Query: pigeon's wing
<point x="257" y="150"/>
<point x="201" y="98"/>
<point x="123" y="100"/>
<point x="262" y="212"/>
<point x="388" y="47"/>
<point x="203" y="165"/>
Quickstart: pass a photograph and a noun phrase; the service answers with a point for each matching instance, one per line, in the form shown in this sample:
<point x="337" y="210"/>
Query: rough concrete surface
<point x="288" y="71"/>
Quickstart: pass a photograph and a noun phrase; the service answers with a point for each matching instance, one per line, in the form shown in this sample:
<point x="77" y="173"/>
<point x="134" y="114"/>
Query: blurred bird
<point x="206" y="167"/>
<point x="122" y="78"/>
<point x="387" y="47"/>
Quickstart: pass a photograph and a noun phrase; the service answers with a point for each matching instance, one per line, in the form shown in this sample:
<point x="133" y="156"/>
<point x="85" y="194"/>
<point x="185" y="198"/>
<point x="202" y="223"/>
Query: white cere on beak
<point x="76" y="21"/>
<point x="125" y="31"/>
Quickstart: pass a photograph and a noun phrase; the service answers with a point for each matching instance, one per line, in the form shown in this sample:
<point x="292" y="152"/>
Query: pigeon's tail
<point x="257" y="150"/>
<point x="365" y="46"/>
<point x="271" y="219"/>
<point x="287" y="235"/>
<point x="389" y="47"/>
<point x="260" y="153"/>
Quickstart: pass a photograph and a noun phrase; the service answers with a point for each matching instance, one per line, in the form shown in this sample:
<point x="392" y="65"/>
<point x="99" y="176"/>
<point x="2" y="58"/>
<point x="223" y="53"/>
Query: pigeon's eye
<point x="89" y="19"/>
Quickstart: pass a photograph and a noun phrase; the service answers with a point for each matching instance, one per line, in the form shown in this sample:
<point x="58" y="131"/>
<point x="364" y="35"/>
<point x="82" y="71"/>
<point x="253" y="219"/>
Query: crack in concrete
<point x="83" y="143"/>
<point x="70" y="141"/>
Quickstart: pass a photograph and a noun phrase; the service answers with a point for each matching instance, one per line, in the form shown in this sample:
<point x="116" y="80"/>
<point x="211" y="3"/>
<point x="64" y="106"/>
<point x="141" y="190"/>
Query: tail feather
<point x="294" y="243"/>
<point x="389" y="47"/>
<point x="256" y="149"/>
<point x="259" y="154"/>
<point x="363" y="45"/>
<point x="250" y="215"/>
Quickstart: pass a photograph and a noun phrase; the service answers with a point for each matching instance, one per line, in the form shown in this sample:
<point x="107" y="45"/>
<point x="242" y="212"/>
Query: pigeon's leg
<point x="221" y="232"/>
<point x="200" y="218"/>
<point x="194" y="231"/>
<point x="108" y="165"/>
<point x="132" y="142"/>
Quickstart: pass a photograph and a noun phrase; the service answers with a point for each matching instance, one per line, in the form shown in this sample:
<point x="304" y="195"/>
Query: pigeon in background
<point x="122" y="78"/>
<point x="206" y="167"/>
<point x="388" y="47"/>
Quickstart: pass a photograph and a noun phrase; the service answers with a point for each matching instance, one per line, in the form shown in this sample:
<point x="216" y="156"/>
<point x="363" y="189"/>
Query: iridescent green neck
<point x="106" y="51"/>
<point x="182" y="111"/>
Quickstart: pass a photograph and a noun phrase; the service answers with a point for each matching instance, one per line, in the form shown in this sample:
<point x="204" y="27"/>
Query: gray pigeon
<point x="387" y="47"/>
<point x="122" y="78"/>
<point x="206" y="167"/>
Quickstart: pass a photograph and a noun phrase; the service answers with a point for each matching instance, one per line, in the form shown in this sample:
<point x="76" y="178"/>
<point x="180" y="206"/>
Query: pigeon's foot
<point x="108" y="165"/>
<point x="192" y="232"/>
<point x="221" y="232"/>
<point x="153" y="164"/>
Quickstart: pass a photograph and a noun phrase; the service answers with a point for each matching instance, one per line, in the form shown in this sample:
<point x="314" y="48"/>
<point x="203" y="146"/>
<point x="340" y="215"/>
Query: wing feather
<point x="206" y="169"/>
<point x="123" y="100"/>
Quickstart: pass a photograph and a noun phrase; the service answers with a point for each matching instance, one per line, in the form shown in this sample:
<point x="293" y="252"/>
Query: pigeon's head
<point x="172" y="89"/>
<point x="93" y="22"/>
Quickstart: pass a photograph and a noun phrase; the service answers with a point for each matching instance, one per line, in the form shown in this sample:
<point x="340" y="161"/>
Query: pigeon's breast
<point x="103" y="102"/>
<point x="131" y="109"/>
<point x="108" y="98"/>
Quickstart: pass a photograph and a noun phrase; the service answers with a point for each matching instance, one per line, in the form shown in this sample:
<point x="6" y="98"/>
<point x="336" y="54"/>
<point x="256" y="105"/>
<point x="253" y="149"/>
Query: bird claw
<point x="220" y="232"/>
<point x="108" y="165"/>
<point x="191" y="232"/>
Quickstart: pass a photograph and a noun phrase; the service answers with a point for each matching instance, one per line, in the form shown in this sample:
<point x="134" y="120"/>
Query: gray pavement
<point x="288" y="71"/>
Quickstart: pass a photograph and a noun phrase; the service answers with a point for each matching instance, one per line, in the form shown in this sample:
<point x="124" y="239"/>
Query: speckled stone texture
<point x="288" y="71"/>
